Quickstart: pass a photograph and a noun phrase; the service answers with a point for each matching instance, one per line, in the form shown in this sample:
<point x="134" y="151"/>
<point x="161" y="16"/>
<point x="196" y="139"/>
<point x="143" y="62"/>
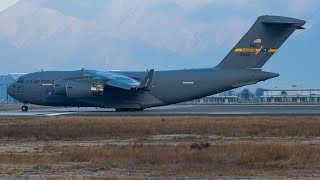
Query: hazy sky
<point x="169" y="34"/>
<point x="4" y="4"/>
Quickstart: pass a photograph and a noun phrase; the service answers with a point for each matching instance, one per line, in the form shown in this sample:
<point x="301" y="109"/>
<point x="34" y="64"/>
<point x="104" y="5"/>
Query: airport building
<point x="283" y="95"/>
<point x="291" y="94"/>
<point x="228" y="97"/>
<point x="5" y="81"/>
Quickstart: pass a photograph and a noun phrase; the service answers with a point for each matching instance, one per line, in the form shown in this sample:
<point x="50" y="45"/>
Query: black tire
<point x="129" y="110"/>
<point x="24" y="108"/>
<point x="137" y="110"/>
<point x="122" y="110"/>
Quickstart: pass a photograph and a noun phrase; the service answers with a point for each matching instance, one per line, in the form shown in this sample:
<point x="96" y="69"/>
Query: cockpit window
<point x="20" y="80"/>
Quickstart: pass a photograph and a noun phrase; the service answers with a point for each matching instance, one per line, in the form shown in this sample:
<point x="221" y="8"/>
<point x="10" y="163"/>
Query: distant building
<point x="291" y="94"/>
<point x="5" y="81"/>
<point x="287" y="94"/>
<point x="228" y="97"/>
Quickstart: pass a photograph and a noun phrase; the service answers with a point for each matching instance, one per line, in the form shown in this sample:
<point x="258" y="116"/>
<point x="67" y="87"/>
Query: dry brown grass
<point x="238" y="155"/>
<point x="18" y="107"/>
<point x="9" y="107"/>
<point x="59" y="128"/>
<point x="89" y="151"/>
<point x="182" y="159"/>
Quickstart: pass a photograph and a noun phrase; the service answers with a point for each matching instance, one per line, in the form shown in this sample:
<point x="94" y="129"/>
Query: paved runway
<point x="180" y="110"/>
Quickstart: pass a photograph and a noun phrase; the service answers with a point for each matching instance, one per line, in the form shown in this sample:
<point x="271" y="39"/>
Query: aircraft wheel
<point x="128" y="110"/>
<point x="137" y="110"/>
<point x="122" y="110"/>
<point x="24" y="108"/>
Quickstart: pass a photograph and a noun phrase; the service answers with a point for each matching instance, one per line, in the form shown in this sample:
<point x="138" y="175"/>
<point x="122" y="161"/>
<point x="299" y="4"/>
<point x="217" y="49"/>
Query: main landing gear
<point x="24" y="108"/>
<point x="129" y="109"/>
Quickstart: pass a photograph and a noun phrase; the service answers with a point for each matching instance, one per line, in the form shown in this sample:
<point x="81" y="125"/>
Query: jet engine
<point x="60" y="87"/>
<point x="78" y="89"/>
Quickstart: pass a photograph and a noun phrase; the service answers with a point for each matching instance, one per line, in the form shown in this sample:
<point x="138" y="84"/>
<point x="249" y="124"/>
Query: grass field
<point x="6" y="107"/>
<point x="164" y="147"/>
<point x="9" y="107"/>
<point x="59" y="128"/>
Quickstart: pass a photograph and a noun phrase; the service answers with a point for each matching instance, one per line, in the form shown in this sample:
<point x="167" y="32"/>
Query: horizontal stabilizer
<point x="284" y="21"/>
<point x="284" y="24"/>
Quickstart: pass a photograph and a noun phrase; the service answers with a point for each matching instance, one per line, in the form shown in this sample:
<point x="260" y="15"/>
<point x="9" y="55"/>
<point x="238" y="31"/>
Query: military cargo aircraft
<point x="136" y="91"/>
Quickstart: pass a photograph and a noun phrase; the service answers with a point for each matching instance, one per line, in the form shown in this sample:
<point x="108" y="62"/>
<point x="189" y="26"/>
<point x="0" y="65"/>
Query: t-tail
<point x="264" y="39"/>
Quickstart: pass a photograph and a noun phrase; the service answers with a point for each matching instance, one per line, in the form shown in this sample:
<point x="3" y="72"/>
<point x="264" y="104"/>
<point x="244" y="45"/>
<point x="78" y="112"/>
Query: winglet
<point x="147" y="81"/>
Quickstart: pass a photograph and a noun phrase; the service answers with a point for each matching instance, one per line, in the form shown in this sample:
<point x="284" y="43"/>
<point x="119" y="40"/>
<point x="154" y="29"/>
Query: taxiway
<point x="180" y="110"/>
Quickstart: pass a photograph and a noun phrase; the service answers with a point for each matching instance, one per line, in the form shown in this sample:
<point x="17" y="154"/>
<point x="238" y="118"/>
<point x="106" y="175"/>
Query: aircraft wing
<point x="127" y="84"/>
<point x="121" y="81"/>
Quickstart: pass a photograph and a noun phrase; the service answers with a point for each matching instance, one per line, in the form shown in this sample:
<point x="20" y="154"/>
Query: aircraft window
<point x="20" y="80"/>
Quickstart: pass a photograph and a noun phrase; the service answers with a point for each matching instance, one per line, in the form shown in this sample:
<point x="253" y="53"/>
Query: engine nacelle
<point x="60" y="87"/>
<point x="78" y="89"/>
<point x="83" y="89"/>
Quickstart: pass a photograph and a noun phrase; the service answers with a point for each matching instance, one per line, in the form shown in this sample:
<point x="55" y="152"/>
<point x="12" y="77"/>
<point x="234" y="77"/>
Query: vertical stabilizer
<point x="264" y="39"/>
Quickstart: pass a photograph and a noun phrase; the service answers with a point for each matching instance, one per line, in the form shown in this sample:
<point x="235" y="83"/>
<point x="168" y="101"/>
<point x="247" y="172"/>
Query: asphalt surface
<point x="181" y="110"/>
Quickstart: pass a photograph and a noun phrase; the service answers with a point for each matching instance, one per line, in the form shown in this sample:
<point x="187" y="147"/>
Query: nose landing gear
<point x="24" y="108"/>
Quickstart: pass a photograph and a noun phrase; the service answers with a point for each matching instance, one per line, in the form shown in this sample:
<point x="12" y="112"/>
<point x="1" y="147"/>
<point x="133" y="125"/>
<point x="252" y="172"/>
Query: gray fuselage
<point x="168" y="87"/>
